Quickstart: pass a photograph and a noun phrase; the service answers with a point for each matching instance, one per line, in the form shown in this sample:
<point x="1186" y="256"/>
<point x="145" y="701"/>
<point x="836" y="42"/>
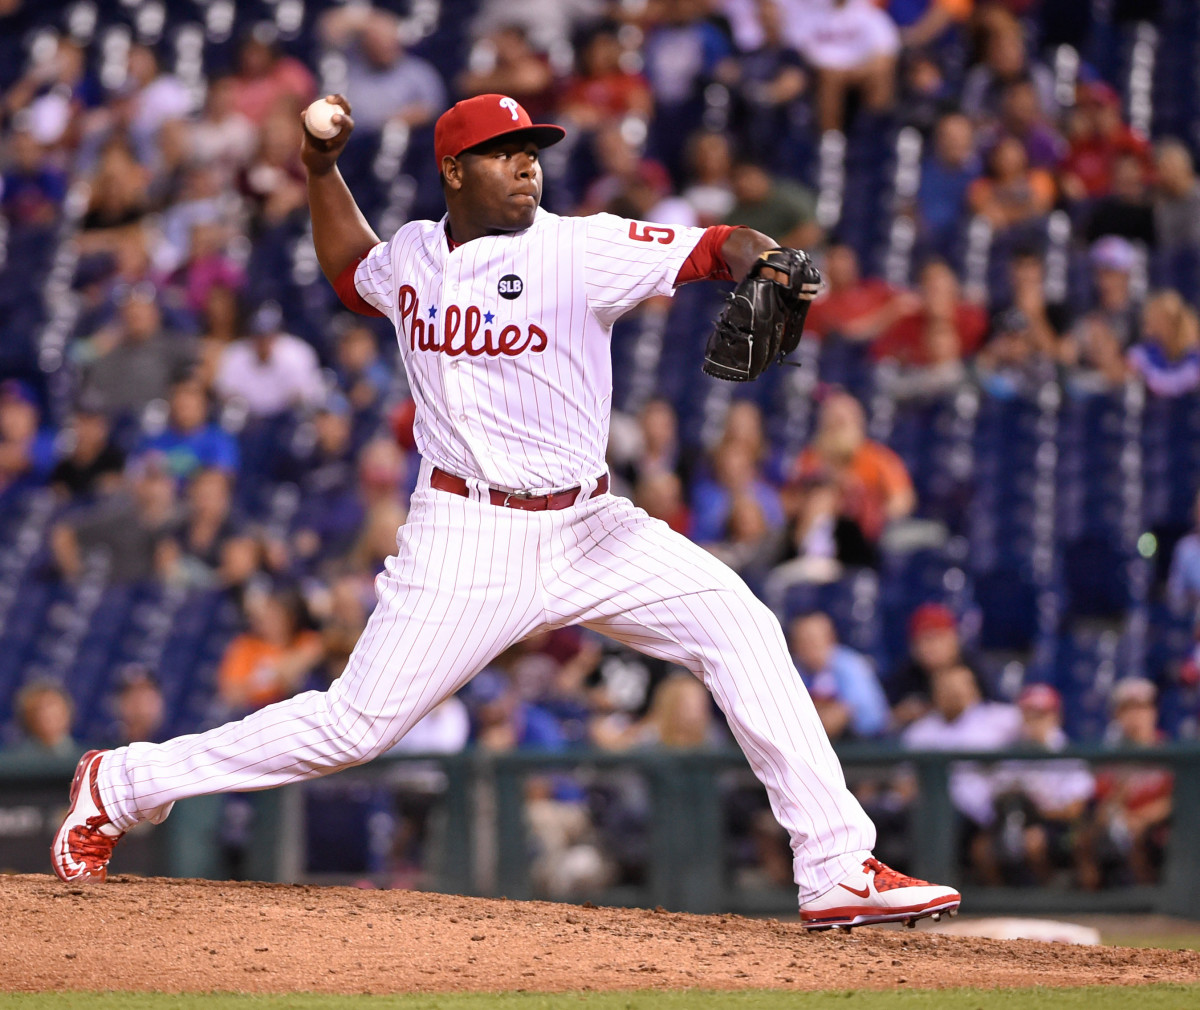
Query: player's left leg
<point x="634" y="579"/>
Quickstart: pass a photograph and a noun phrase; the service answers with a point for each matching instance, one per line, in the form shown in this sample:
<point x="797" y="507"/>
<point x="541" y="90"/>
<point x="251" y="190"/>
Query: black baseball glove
<point x="763" y="319"/>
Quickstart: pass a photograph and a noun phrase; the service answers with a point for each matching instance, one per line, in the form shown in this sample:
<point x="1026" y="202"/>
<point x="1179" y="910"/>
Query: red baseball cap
<point x="931" y="617"/>
<point x="485" y="117"/>
<point x="1040" y="698"/>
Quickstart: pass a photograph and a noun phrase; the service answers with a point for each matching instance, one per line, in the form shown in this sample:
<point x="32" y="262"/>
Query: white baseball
<point x="318" y="117"/>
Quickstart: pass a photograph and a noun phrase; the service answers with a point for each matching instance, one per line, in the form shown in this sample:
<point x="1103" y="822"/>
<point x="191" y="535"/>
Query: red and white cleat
<point x="878" y="893"/>
<point x="85" y="841"/>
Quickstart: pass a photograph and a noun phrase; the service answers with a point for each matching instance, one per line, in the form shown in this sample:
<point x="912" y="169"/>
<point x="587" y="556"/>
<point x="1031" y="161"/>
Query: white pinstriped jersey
<point x="506" y="339"/>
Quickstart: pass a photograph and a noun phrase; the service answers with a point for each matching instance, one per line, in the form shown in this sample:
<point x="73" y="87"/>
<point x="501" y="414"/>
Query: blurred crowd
<point x="207" y="419"/>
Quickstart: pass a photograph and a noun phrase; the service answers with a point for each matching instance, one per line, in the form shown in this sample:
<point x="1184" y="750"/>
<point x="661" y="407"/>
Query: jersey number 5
<point x="650" y="233"/>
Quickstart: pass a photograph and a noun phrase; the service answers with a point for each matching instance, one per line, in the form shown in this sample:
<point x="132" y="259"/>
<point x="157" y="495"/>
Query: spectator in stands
<point x="1113" y="261"/>
<point x="602" y="91"/>
<point x="57" y="91"/>
<point x="381" y="476"/>
<point x="710" y="169"/>
<point x="44" y="715"/>
<point x="925" y="93"/>
<point x="940" y="371"/>
<point x="273" y="182"/>
<point x="190" y="441"/>
<point x="852" y="45"/>
<point x="934" y="645"/>
<point x="199" y="552"/>
<point x="1094" y="357"/>
<point x="222" y="138"/>
<point x="1005" y="62"/>
<point x="736" y="474"/>
<point x="1167" y="358"/>
<point x="1127" y="210"/>
<point x="744" y="426"/>
<point x="502" y="721"/>
<point x="628" y="183"/>
<point x="1131" y="822"/>
<point x="1014" y="362"/>
<point x="873" y="484"/>
<point x="270" y="371"/>
<point x="139" y="707"/>
<point x="126" y="533"/>
<point x="341" y="614"/>
<point x="1183" y="582"/>
<point x="1022" y="117"/>
<point x="1011" y="193"/>
<point x="940" y="302"/>
<point x="331" y="510"/>
<point x="25" y="452"/>
<point x="1027" y="286"/>
<point x="841" y="681"/>
<point x="134" y="361"/>
<point x="768" y="80"/>
<point x="749" y="542"/>
<point x="149" y="98"/>
<point x="34" y="186"/>
<point x="361" y="371"/>
<point x="505" y="62"/>
<point x="946" y="177"/>
<point x="267" y="81"/>
<point x="206" y="265"/>
<point x="1040" y="806"/>
<point x="683" y="52"/>
<point x="386" y="83"/>
<point x="785" y="209"/>
<point x="679" y="716"/>
<point x="1176" y="202"/>
<point x="962" y="720"/>
<point x="853" y="307"/>
<point x="660" y="494"/>
<point x="821" y="542"/>
<point x="91" y="463"/>
<point x="273" y="658"/>
<point x="1097" y="137"/>
<point x="220" y="326"/>
<point x="117" y="197"/>
<point x="657" y="447"/>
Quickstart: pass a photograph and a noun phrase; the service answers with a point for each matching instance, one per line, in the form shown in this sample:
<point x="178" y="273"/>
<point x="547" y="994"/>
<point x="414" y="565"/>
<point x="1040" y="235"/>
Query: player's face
<point x="501" y="184"/>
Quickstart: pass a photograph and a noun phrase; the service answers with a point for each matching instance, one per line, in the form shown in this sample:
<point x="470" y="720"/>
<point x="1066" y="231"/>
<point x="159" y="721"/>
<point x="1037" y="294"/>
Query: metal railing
<point x="686" y="855"/>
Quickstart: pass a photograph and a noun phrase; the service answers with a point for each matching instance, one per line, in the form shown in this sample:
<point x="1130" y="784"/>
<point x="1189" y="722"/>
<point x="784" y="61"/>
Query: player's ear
<point x="451" y="173"/>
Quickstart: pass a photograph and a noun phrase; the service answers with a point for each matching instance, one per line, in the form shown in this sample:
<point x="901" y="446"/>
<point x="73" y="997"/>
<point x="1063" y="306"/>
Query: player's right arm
<point x="341" y="234"/>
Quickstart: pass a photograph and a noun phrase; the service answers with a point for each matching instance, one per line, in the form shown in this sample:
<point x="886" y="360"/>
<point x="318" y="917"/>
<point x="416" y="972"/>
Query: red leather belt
<point x="515" y="499"/>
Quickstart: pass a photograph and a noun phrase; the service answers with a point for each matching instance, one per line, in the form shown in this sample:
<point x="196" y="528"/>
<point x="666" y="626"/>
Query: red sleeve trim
<point x="706" y="262"/>
<point x="348" y="293"/>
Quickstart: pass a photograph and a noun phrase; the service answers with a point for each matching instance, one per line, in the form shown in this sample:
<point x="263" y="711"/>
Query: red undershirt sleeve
<point x="348" y="293"/>
<point x="706" y="262"/>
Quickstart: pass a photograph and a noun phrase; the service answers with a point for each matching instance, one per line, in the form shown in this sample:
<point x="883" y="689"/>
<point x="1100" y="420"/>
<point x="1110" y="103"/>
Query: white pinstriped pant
<point x="468" y="580"/>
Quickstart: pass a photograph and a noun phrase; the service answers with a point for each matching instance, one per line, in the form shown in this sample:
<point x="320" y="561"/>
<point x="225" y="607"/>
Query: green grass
<point x="1150" y="997"/>
<point x="1173" y="941"/>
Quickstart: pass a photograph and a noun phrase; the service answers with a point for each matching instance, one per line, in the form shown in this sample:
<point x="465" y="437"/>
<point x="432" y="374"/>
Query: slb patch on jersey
<point x="510" y="286"/>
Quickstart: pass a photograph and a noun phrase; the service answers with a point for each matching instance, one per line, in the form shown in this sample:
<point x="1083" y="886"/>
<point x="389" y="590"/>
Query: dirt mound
<point x="190" y="935"/>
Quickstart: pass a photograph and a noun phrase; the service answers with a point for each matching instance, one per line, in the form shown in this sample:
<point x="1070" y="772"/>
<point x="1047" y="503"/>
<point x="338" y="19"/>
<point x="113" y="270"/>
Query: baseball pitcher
<point x="504" y="313"/>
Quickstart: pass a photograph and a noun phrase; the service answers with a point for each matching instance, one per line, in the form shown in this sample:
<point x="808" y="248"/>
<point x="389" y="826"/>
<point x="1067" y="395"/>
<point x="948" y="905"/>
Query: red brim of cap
<point x="542" y="134"/>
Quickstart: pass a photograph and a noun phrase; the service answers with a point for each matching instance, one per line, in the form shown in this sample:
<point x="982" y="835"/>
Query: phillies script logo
<point x="463" y="332"/>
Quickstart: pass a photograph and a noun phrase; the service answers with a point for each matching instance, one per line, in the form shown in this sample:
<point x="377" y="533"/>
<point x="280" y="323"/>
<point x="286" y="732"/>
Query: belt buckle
<point x="524" y="495"/>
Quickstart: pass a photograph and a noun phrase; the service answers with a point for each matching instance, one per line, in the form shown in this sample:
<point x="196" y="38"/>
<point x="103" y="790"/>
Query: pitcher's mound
<point x="193" y="935"/>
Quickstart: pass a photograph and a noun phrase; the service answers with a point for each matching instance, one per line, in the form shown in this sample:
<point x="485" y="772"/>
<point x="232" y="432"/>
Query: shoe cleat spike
<point x="936" y="917"/>
<point x="910" y="923"/>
